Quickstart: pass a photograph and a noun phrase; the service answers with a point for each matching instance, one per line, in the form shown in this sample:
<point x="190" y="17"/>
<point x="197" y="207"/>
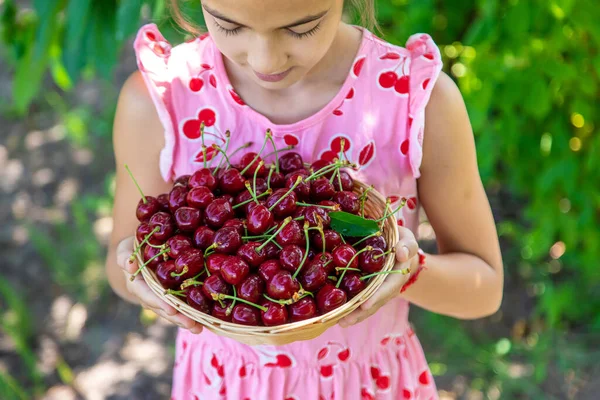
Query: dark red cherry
<point x="250" y="254"/>
<point x="148" y="253"/>
<point x="282" y="286"/>
<point x="222" y="312"/>
<point x="214" y="262"/>
<point x="291" y="257"/>
<point x="188" y="219"/>
<point x="332" y="240"/>
<point x="377" y="242"/>
<point x="303" y="309"/>
<point x="348" y="201"/>
<point x="302" y="190"/>
<point x="218" y="212"/>
<point x="371" y="261"/>
<point x="276" y="313"/>
<point x="261" y="186"/>
<point x="200" y="197"/>
<point x="144" y="230"/>
<point x="203" y="237"/>
<point x="236" y="223"/>
<point x="313" y="276"/>
<point x="342" y="256"/>
<point x="182" y="180"/>
<point x="234" y="270"/>
<point x="251" y="289"/>
<point x="269" y="268"/>
<point x="285" y="207"/>
<point x="177" y="198"/>
<point x="229" y="198"/>
<point x="321" y="189"/>
<point x="245" y="314"/>
<point x="163" y="274"/>
<point x="232" y="182"/>
<point x="292" y="233"/>
<point x="271" y="250"/>
<point x="165" y="223"/>
<point x="314" y="214"/>
<point x="326" y="260"/>
<point x="352" y="284"/>
<point x="290" y="162"/>
<point x="227" y="240"/>
<point x="347" y="182"/>
<point x="196" y="298"/>
<point x="163" y="200"/>
<point x="329" y="298"/>
<point x="241" y="198"/>
<point x="320" y="164"/>
<point x="193" y="259"/>
<point x="203" y="177"/>
<point x="214" y="284"/>
<point x="248" y="159"/>
<point x="260" y="219"/>
<point x="146" y="210"/>
<point x="277" y="180"/>
<point x="178" y="244"/>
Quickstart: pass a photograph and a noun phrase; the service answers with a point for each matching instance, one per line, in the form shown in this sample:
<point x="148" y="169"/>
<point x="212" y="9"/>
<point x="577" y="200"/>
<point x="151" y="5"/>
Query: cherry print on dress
<point x="404" y="147"/>
<point x="335" y="148"/>
<point x="358" y="66"/>
<point x="326" y="371"/>
<point x="338" y="112"/>
<point x="424" y="378"/>
<point x="245" y="371"/>
<point x="366" y="394"/>
<point x="406" y="394"/>
<point x="191" y="127"/>
<point x="395" y="79"/>
<point x="236" y="97"/>
<point x="390" y="56"/>
<point x="411" y="204"/>
<point x="367" y="154"/>
<point x="197" y="83"/>
<point x="290" y="140"/>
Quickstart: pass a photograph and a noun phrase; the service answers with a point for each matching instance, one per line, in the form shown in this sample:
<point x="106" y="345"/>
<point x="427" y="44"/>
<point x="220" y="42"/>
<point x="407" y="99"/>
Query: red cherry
<point x="260" y="219"/>
<point x="188" y="219"/>
<point x="232" y="182"/>
<point x="228" y="240"/>
<point x="166" y="226"/>
<point x="245" y="314"/>
<point x="320" y="164"/>
<point x="163" y="200"/>
<point x="402" y="85"/>
<point x="203" y="237"/>
<point x="193" y="260"/>
<point x="215" y="284"/>
<point x="163" y="274"/>
<point x="313" y="276"/>
<point x="250" y="254"/>
<point x="352" y="284"/>
<point x="277" y="180"/>
<point x="291" y="257"/>
<point x="178" y="244"/>
<point x="332" y="240"/>
<point x="292" y="233"/>
<point x="282" y="286"/>
<point x="234" y="270"/>
<point x="342" y="256"/>
<point x="388" y="79"/>
<point x="218" y="212"/>
<point x="182" y="180"/>
<point x="214" y="262"/>
<point x="249" y="158"/>
<point x="196" y="84"/>
<point x="336" y="144"/>
<point x="285" y="207"/>
<point x="290" y="162"/>
<point x="321" y="189"/>
<point x="221" y="312"/>
<point x="276" y="314"/>
<point x="196" y="298"/>
<point x="329" y="298"/>
<point x="302" y="190"/>
<point x="371" y="261"/>
<point x="207" y="116"/>
<point x="271" y="250"/>
<point x="235" y="223"/>
<point x="268" y="269"/>
<point x="177" y="198"/>
<point x="146" y="210"/>
<point x="348" y="201"/>
<point x="203" y="177"/>
<point x="347" y="182"/>
<point x="251" y="289"/>
<point x="377" y="242"/>
<point x="303" y="309"/>
<point x="200" y="197"/>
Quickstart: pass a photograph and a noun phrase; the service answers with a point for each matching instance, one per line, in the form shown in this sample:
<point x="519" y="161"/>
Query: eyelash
<point x="233" y="32"/>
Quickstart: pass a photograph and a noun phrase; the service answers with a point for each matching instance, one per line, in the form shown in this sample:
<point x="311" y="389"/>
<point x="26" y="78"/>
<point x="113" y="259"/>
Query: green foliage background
<point x="529" y="72"/>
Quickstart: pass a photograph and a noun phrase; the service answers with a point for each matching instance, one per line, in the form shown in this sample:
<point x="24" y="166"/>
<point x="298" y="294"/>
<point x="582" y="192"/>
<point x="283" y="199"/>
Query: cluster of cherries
<point x="253" y="244"/>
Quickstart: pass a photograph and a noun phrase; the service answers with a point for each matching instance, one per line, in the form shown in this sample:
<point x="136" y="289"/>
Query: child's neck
<point x="312" y="93"/>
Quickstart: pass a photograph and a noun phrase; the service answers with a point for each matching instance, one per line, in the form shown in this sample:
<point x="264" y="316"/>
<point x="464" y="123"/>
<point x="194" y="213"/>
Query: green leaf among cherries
<point x="352" y="225"/>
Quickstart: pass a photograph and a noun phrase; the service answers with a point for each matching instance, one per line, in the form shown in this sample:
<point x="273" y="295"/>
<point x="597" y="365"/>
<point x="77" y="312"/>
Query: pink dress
<point x="380" y="112"/>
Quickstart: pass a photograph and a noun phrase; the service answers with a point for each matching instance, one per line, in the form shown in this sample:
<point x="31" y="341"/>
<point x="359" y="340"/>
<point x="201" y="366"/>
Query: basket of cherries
<point x="266" y="253"/>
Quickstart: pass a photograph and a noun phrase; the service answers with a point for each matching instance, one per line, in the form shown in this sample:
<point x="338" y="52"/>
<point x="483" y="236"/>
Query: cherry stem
<point x="298" y="180"/>
<point x="347" y="269"/>
<point x="230" y="308"/>
<point x="212" y="246"/>
<point x="259" y="153"/>
<point x="249" y="187"/>
<point x="404" y="271"/>
<point x="390" y="251"/>
<point x="271" y="169"/>
<point x="175" y="292"/>
<point x="333" y="278"/>
<point x="306" y="226"/>
<point x="368" y="248"/>
<point x="221" y="296"/>
<point x="190" y="282"/>
<point x="270" y="137"/>
<point x="321" y="231"/>
<point x="402" y="204"/>
<point x="220" y="150"/>
<point x="203" y="146"/>
<point x="339" y="176"/>
<point x="136" y="184"/>
<point x="283" y="224"/>
<point x="227" y="137"/>
<point x="378" y="233"/>
<point x="281" y="302"/>
<point x="290" y="147"/>
<point x="299" y="203"/>
<point x="363" y="199"/>
<point x="260" y="164"/>
<point x="139" y="246"/>
<point x="335" y="173"/>
<point x="183" y="272"/>
<point x="327" y="169"/>
<point x="268" y="192"/>
<point x="132" y="278"/>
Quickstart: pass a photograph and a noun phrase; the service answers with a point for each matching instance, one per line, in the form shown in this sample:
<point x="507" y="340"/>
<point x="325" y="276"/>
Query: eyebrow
<point x="301" y="21"/>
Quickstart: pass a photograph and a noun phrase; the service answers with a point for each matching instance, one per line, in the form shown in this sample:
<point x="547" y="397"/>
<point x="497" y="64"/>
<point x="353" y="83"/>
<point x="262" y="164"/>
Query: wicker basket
<point x="291" y="332"/>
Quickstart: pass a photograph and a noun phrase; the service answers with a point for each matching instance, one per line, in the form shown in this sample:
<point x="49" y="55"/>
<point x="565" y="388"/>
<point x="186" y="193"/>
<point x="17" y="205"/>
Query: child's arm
<point x="138" y="139"/>
<point x="466" y="279"/>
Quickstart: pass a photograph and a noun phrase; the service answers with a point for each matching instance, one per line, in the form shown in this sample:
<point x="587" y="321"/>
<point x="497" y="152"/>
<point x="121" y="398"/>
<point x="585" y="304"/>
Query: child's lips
<point x="273" y="77"/>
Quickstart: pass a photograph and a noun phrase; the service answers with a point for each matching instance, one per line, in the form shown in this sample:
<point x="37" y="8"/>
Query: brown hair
<point x="364" y="9"/>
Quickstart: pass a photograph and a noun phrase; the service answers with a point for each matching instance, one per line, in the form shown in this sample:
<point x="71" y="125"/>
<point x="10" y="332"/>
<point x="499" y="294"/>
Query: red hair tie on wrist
<point x="413" y="278"/>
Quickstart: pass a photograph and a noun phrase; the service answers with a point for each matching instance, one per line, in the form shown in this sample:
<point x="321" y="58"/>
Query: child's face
<point x="275" y="42"/>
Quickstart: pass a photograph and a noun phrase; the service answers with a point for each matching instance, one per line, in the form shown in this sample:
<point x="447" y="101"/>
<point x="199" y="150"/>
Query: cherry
<point x="214" y="284"/>
<point x="347" y="182"/>
<point x="326" y="260"/>
<point x="230" y="199"/>
<point x="321" y="189"/>
<point x="290" y="161"/>
<point x="292" y="233"/>
<point x="203" y="237"/>
<point x="236" y="223"/>
<point x="271" y="250"/>
<point x="203" y="177"/>
<point x="222" y="312"/>
<point x="388" y="79"/>
<point x="290" y="257"/>
<point x="277" y="180"/>
<point x="200" y="197"/>
<point x="348" y="201"/>
<point x="313" y="276"/>
<point x="377" y="242"/>
<point x="188" y="219"/>
<point x="178" y="244"/>
<point x="218" y="212"/>
<point x="227" y="240"/>
<point x="195" y="298"/>
<point x="243" y="197"/>
<point x="214" y="262"/>
<point x="253" y="204"/>
<point x="190" y="263"/>
<point x="163" y="200"/>
<point x="261" y="186"/>
<point x="268" y="269"/>
<point x="177" y="198"/>
<point x="303" y="309"/>
<point x="165" y="223"/>
<point x="234" y="270"/>
<point x="352" y="284"/>
<point x="303" y="189"/>
<point x="252" y="254"/>
<point x="260" y="219"/>
<point x="285" y="207"/>
<point x="245" y="314"/>
<point x="163" y="274"/>
<point x="251" y="289"/>
<point x="249" y="165"/>
<point x="342" y="256"/>
<point x="320" y="164"/>
<point x="282" y="286"/>
<point x="371" y="261"/>
<point x="276" y="313"/>
<point x="329" y="298"/>
<point x="148" y="253"/>
<point x="144" y="230"/>
<point x="232" y="182"/>
<point x="314" y="214"/>
<point x="147" y="209"/>
<point x="402" y="85"/>
<point x="332" y="239"/>
<point x="182" y="180"/>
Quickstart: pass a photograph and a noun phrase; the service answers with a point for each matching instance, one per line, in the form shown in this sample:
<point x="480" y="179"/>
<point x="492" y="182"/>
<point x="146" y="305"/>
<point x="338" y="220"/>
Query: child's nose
<point x="266" y="57"/>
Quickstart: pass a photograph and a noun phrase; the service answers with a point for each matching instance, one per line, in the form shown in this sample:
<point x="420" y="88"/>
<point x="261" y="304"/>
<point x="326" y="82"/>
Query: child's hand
<point x="406" y="256"/>
<point x="146" y="296"/>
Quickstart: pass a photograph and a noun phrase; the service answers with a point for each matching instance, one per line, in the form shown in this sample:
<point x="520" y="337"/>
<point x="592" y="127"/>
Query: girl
<point x="295" y="68"/>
